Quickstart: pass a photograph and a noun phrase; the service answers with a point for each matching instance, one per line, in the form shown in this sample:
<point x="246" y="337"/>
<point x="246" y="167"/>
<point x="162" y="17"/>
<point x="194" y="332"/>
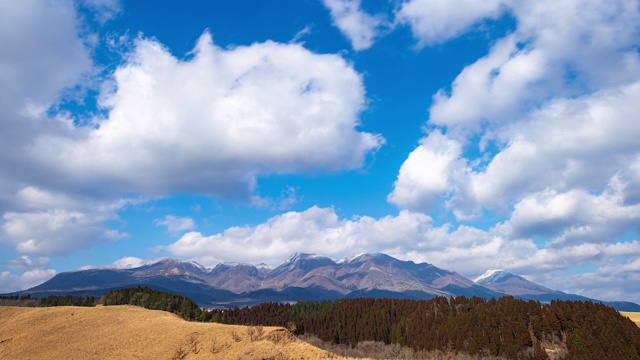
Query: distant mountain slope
<point x="508" y="283"/>
<point x="303" y="277"/>
<point x="519" y="287"/>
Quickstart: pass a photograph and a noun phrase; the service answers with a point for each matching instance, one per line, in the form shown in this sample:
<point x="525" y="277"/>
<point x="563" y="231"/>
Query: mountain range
<point x="303" y="277"/>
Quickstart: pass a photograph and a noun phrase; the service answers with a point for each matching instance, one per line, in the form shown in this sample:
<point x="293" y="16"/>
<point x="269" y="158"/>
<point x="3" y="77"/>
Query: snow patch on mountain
<point x="492" y="276"/>
<point x="348" y="259"/>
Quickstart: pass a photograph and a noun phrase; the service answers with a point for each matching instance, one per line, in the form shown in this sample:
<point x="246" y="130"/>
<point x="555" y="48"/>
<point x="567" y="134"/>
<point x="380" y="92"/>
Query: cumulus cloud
<point x="428" y="173"/>
<point x="34" y="73"/>
<point x="409" y="235"/>
<point x="208" y="124"/>
<point x="129" y="262"/>
<point x="25" y="263"/>
<point x="561" y="49"/>
<point x="33" y="271"/>
<point x="361" y="28"/>
<point x="211" y="123"/>
<point x="615" y="276"/>
<point x="548" y="148"/>
<point x="49" y="223"/>
<point x="318" y="230"/>
<point x="10" y="282"/>
<point x="436" y="21"/>
<point x="36" y="70"/>
<point x="575" y="216"/>
<point x="536" y="113"/>
<point x="175" y="224"/>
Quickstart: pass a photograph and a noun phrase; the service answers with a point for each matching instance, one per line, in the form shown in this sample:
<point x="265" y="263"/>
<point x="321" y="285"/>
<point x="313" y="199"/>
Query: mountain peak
<point x="492" y="276"/>
<point x="173" y="266"/>
<point x="234" y="264"/>
<point x="298" y="259"/>
<point x="303" y="261"/>
<point x="299" y="256"/>
<point x="349" y="258"/>
<point x="376" y="257"/>
<point x="174" y="261"/>
<point x="506" y="282"/>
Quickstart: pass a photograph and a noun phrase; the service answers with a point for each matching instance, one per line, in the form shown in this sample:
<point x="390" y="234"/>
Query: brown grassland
<point x="129" y="332"/>
<point x="634" y="316"/>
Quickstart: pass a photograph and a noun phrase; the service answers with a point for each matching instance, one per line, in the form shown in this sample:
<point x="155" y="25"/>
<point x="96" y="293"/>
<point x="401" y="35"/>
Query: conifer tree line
<point x="51" y="300"/>
<point x="156" y="300"/>
<point x="507" y="327"/>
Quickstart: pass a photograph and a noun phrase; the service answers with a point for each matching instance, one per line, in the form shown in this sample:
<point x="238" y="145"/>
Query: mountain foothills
<point x="303" y="277"/>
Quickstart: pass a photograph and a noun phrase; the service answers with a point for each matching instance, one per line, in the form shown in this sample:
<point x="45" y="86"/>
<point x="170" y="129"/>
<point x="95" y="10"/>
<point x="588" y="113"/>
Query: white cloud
<point x="575" y="216"/>
<point x="612" y="280"/>
<point x="25" y="263"/>
<point x="556" y="50"/>
<point x="35" y="277"/>
<point x="129" y="262"/>
<point x="436" y="21"/>
<point x="575" y="143"/>
<point x="360" y="27"/>
<point x="54" y="232"/>
<point x="34" y="271"/>
<point x="429" y="172"/>
<point x="317" y="230"/>
<point x="36" y="70"/>
<point x="34" y="73"/>
<point x="103" y="10"/>
<point x="409" y="235"/>
<point x="49" y="223"/>
<point x="495" y="88"/>
<point x="175" y="224"/>
<point x="566" y="177"/>
<point x="211" y="123"/>
<point x="550" y="108"/>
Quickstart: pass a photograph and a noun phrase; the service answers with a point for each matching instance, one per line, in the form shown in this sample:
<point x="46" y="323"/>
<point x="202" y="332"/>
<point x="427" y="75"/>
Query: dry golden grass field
<point x="634" y="316"/>
<point x="128" y="332"/>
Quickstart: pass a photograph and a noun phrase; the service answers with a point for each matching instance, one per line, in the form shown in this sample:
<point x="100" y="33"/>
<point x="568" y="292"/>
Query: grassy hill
<point x="129" y="332"/>
<point x="634" y="316"/>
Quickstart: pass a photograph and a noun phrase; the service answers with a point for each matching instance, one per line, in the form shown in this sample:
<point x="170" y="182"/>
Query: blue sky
<point x="472" y="135"/>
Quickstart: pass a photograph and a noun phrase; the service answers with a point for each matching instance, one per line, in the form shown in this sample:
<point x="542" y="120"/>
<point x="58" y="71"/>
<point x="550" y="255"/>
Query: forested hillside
<point x="156" y="300"/>
<point x="51" y="300"/>
<point x="507" y="327"/>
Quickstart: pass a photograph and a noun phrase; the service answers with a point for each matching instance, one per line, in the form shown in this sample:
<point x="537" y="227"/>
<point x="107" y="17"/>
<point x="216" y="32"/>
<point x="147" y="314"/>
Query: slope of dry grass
<point x="634" y="316"/>
<point x="128" y="332"/>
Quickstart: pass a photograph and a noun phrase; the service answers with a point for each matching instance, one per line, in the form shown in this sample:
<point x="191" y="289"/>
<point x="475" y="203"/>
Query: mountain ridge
<point x="303" y="277"/>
